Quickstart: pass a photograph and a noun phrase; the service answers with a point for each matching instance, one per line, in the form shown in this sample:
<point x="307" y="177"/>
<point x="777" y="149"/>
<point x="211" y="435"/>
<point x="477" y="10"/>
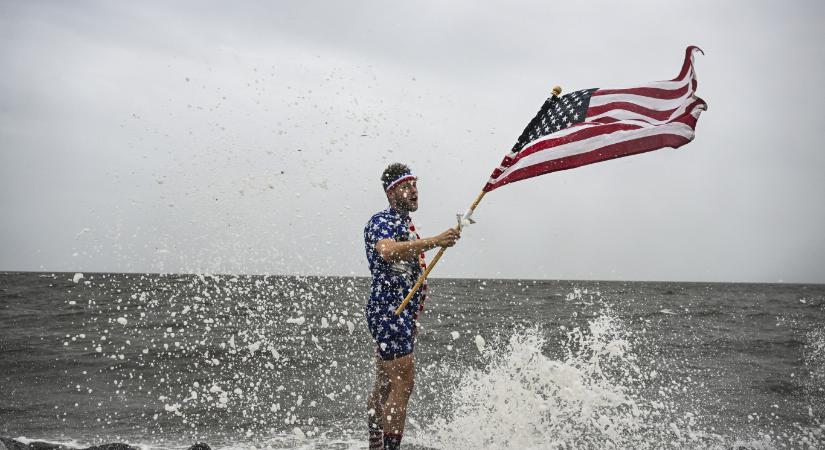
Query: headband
<point x="402" y="177"/>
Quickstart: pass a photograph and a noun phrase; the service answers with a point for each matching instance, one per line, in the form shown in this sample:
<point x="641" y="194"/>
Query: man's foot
<point x="392" y="441"/>
<point x="376" y="438"/>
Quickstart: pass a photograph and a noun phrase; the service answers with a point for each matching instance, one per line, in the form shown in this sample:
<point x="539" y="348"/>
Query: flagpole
<point x="435" y="260"/>
<point x="555" y="93"/>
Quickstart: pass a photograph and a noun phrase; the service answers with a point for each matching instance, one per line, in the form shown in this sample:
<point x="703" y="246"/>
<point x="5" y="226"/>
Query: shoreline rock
<point x="12" y="444"/>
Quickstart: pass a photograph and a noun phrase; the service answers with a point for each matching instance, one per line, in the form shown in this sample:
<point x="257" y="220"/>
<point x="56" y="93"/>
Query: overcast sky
<point x="249" y="137"/>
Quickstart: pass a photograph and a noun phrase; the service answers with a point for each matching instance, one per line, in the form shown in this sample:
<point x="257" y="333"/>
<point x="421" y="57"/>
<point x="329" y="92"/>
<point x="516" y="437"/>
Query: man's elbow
<point x="385" y="251"/>
<point x="389" y="255"/>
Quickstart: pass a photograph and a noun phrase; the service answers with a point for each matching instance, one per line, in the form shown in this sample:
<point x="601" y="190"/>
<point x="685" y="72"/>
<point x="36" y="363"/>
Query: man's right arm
<point x="396" y="251"/>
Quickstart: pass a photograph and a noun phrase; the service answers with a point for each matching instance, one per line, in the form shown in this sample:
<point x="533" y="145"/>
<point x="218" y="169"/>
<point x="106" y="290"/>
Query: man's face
<point x="405" y="196"/>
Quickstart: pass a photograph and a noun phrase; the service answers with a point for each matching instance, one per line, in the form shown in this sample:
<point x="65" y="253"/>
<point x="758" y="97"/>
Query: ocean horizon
<point x="431" y="277"/>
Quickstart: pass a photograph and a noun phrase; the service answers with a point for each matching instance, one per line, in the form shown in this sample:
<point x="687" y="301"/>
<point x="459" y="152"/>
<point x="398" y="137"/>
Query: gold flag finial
<point x="556" y="91"/>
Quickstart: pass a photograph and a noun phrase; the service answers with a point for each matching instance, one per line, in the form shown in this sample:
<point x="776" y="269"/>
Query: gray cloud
<point x="198" y="136"/>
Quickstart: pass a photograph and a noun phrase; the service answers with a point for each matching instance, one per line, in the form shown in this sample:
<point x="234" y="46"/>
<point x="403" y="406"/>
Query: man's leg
<point x="400" y="373"/>
<point x="375" y="406"/>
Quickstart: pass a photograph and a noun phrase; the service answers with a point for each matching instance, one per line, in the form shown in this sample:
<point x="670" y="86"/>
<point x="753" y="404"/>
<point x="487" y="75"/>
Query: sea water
<point x="241" y="362"/>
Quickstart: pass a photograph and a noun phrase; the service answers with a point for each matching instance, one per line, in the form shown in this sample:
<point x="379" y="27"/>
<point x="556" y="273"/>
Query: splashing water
<point x="284" y="362"/>
<point x="596" y="395"/>
<point x="524" y="399"/>
<point x="233" y="352"/>
<point x="815" y="360"/>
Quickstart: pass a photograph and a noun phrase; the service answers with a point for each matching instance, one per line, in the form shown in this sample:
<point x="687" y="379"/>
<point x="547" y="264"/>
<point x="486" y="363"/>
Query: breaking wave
<point x="596" y="394"/>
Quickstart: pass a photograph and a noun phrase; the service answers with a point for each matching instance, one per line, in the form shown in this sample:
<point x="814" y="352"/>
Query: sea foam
<point x="598" y="395"/>
<point x="592" y="397"/>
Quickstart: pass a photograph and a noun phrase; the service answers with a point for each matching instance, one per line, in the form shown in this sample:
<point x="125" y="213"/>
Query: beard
<point x="407" y="204"/>
<point x="404" y="202"/>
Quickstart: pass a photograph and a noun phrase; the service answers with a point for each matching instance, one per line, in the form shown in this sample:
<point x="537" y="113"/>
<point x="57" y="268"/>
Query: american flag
<point x="593" y="125"/>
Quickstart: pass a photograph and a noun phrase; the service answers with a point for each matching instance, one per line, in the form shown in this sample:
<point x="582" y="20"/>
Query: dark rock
<point x="11" y="444"/>
<point x="37" y="445"/>
<point x="200" y="446"/>
<point x="115" y="446"/>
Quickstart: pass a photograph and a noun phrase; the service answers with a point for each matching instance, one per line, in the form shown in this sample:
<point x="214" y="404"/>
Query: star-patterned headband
<point x="402" y="177"/>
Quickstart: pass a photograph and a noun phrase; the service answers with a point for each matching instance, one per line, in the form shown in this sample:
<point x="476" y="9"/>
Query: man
<point x="396" y="258"/>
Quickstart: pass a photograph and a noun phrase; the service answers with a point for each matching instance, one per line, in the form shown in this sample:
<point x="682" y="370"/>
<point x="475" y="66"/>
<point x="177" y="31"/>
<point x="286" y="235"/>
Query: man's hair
<point x="393" y="172"/>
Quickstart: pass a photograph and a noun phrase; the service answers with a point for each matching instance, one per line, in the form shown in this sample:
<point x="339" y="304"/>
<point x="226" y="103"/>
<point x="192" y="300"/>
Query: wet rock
<point x="11" y="444"/>
<point x="116" y="446"/>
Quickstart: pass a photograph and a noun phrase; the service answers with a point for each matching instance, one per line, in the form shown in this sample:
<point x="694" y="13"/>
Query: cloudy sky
<point x="249" y="138"/>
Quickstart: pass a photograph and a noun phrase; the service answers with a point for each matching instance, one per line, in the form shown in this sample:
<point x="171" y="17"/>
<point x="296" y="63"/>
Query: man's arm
<point x="395" y="251"/>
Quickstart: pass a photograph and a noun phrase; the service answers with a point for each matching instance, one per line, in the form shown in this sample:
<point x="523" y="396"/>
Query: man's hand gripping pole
<point x="464" y="220"/>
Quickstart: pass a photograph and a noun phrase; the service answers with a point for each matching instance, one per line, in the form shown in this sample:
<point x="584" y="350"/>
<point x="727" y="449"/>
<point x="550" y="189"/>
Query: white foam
<point x="524" y="399"/>
<point x="296" y="320"/>
<point x="480" y="343"/>
<point x="814" y="353"/>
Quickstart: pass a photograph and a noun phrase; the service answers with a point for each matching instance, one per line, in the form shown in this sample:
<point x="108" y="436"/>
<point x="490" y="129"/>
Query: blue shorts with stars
<point x="394" y="336"/>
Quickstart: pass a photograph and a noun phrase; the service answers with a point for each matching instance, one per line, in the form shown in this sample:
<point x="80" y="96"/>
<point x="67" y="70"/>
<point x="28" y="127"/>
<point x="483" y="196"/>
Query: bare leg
<point x="400" y="373"/>
<point x="375" y="405"/>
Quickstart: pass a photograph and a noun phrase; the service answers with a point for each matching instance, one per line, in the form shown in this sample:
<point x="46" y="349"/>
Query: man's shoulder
<point x="383" y="216"/>
<point x="385" y="220"/>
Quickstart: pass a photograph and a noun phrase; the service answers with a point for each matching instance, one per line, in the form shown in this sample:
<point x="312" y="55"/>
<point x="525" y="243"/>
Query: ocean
<point x="243" y="362"/>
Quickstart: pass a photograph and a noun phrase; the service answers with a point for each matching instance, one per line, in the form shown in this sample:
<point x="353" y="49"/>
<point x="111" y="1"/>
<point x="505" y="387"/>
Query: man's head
<point x="400" y="185"/>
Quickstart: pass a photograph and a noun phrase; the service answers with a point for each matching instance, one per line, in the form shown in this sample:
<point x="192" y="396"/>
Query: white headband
<point x="398" y="181"/>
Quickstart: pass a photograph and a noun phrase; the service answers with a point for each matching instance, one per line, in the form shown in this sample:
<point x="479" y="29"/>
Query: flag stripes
<point x="590" y="126"/>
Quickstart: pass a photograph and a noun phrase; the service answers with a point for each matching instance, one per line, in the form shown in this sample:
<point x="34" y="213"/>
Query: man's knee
<point x="400" y="371"/>
<point x="404" y="378"/>
<point x="408" y="377"/>
<point x="409" y="385"/>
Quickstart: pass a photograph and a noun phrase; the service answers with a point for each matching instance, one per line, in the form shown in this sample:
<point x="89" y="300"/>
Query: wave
<point x="597" y="396"/>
